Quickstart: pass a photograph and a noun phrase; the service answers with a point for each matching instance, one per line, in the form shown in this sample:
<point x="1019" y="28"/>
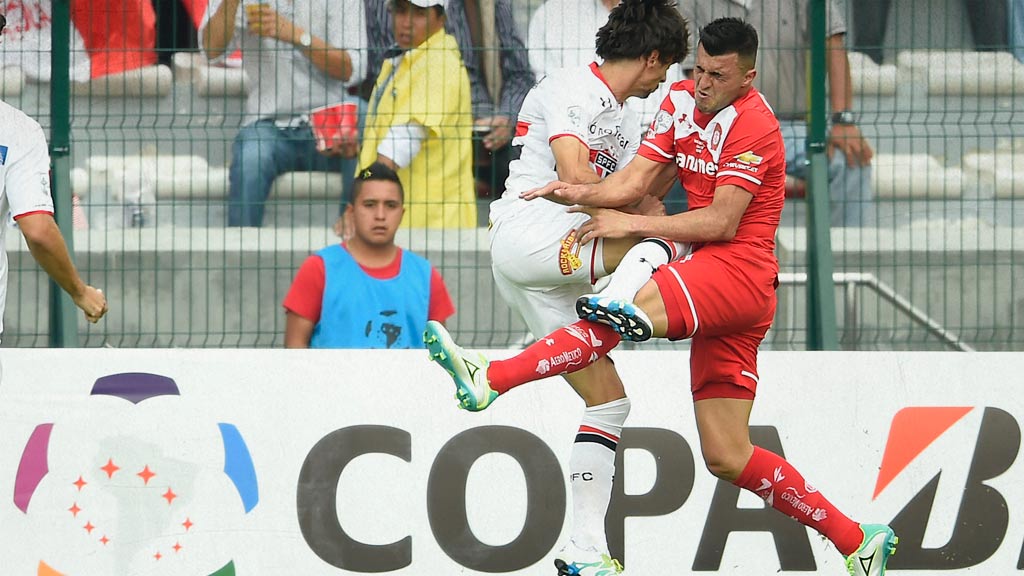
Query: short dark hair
<point x="3" y="22"/>
<point x="730" y="36"/>
<point x="637" y="28"/>
<point x="375" y="172"/>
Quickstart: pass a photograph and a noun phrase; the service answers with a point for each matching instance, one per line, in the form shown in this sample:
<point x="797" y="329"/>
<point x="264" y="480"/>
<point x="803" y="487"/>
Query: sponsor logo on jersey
<point x="695" y="164"/>
<point x="569" y="254"/>
<point x="750" y="158"/>
<point x="3" y="155"/>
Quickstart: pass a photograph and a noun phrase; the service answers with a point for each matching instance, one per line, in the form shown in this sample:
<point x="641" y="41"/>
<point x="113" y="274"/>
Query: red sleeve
<point x="306" y="295"/>
<point x="750" y="153"/>
<point x="441" y="306"/>
<point x="660" y="143"/>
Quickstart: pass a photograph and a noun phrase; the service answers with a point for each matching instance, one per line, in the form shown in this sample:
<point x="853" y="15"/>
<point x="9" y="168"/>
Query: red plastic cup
<point x="335" y="122"/>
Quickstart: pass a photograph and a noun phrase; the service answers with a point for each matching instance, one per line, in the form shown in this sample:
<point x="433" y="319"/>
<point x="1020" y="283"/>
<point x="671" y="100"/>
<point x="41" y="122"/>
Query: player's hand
<point x="848" y="139"/>
<point x="500" y="134"/>
<point x="92" y="302"/>
<point x="604" y="223"/>
<point x="558" y="192"/>
<point x="266" y="22"/>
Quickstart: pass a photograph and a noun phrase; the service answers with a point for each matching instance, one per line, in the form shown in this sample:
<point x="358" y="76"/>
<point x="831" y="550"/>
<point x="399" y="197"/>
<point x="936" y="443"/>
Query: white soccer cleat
<point x="575" y="561"/>
<point x="467" y="369"/>
<point x="625" y="317"/>
<point x="878" y="545"/>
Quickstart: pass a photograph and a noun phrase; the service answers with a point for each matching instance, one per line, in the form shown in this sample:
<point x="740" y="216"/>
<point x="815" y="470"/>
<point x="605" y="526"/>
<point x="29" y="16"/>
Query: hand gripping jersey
<point x="740" y="145"/>
<point x="575" y="103"/>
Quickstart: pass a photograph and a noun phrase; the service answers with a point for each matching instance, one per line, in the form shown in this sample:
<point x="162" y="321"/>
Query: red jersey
<point x="741" y="145"/>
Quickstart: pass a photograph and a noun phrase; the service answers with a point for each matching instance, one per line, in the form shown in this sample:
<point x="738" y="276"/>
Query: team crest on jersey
<point x="3" y="155"/>
<point x="661" y="124"/>
<point x="569" y="254"/>
<point x="603" y="162"/>
<point x="750" y="158"/>
<point x="716" y="137"/>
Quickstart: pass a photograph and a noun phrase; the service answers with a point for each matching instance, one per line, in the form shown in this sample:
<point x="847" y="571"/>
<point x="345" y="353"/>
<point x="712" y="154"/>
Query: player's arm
<point x="298" y="331"/>
<point x="716" y="222"/>
<point x="623" y="188"/>
<point x="572" y="161"/>
<point x="47" y="246"/>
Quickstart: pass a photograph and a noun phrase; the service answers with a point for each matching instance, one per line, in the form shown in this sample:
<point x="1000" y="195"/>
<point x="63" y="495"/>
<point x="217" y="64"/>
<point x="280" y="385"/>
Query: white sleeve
<point x="564" y="111"/>
<point x="346" y="29"/>
<point x="28" y="174"/>
<point x="402" y="143"/>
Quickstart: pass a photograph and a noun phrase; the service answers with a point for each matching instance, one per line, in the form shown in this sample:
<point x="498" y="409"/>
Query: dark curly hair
<point x="637" y="28"/>
<point x="730" y="36"/>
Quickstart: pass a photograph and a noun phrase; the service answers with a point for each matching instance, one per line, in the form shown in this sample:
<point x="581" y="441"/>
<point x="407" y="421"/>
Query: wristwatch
<point x="845" y="117"/>
<point x="306" y="40"/>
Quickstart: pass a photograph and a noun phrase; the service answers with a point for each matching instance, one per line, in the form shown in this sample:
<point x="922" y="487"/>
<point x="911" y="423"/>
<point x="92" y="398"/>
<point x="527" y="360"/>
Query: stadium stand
<point x="12" y="81"/>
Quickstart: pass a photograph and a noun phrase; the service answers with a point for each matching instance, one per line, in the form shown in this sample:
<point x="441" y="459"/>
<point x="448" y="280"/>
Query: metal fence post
<point x="63" y="318"/>
<point x="821" y="299"/>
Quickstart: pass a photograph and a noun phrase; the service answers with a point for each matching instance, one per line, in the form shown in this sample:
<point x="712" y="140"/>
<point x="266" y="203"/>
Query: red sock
<point x="563" y="351"/>
<point x="780" y="484"/>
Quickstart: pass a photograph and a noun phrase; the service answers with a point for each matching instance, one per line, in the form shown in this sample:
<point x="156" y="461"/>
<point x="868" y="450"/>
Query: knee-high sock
<point x="563" y="351"/>
<point x="780" y="485"/>
<point x="639" y="263"/>
<point x="592" y="471"/>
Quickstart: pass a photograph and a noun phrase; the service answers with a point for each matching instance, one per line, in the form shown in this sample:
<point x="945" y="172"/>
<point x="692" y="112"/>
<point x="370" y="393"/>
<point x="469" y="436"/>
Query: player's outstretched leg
<point x="467" y="369"/>
<point x="874" y="552"/>
<point x="625" y="317"/>
<point x="575" y="561"/>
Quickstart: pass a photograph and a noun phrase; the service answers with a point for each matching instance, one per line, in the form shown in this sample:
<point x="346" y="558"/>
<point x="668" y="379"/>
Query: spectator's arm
<point x="46" y="244"/>
<point x="516" y="76"/>
<point x="334" y="62"/>
<point x="297" y="330"/>
<point x="845" y="137"/>
<point x="220" y="29"/>
<point x="401" y="145"/>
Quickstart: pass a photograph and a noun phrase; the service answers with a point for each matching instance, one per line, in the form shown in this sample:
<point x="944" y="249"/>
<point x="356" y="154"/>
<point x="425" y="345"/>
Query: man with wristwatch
<point x="298" y="55"/>
<point x="782" y="79"/>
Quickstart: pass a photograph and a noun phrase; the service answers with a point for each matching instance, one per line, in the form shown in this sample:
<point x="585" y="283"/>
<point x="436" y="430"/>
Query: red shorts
<point x="723" y="297"/>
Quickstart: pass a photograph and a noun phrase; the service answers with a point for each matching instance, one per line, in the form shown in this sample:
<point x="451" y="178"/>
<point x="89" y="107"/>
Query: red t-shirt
<point x="306" y="294"/>
<point x="741" y="145"/>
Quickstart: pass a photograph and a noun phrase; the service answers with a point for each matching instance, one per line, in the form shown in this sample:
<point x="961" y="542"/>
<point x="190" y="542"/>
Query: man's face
<point x="719" y="80"/>
<point x="413" y="25"/>
<point x="376" y="213"/>
<point x="653" y="75"/>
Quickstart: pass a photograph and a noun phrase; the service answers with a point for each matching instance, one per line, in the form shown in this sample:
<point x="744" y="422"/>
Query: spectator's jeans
<point x="1017" y="28"/>
<point x="260" y="153"/>
<point x="849" y="187"/>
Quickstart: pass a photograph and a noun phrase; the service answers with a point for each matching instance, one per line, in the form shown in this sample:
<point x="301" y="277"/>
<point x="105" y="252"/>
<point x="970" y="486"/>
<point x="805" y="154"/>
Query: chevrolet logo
<point x="749" y="157"/>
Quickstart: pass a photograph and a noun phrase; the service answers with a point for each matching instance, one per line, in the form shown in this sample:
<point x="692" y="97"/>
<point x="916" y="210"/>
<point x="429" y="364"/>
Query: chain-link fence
<point x="925" y="242"/>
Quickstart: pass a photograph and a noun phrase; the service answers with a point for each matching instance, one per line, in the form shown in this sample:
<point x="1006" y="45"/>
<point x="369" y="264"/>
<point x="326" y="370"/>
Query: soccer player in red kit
<point x="727" y="149"/>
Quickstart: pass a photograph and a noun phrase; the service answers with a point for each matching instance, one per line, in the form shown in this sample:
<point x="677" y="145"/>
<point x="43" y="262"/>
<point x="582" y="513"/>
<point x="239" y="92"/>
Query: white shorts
<point x="538" y="266"/>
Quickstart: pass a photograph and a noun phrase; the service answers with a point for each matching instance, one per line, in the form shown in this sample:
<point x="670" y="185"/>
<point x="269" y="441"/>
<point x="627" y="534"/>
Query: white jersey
<point x="571" y="102"/>
<point x="539" y="266"/>
<point x="24" y="177"/>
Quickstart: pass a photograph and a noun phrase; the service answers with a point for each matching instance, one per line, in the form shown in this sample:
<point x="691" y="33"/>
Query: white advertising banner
<point x="277" y="462"/>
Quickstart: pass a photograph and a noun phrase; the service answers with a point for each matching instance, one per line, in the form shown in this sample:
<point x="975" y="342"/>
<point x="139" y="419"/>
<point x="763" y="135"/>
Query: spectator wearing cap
<point x="420" y="119"/>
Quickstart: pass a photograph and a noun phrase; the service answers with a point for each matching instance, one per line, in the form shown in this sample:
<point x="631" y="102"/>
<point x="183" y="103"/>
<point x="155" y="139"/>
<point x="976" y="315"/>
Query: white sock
<point x="592" y="471"/>
<point x="639" y="263"/>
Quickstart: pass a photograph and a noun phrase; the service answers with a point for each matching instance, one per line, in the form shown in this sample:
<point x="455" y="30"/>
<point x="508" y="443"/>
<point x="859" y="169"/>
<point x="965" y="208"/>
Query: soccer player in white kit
<point x="25" y="193"/>
<point x="573" y="126"/>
